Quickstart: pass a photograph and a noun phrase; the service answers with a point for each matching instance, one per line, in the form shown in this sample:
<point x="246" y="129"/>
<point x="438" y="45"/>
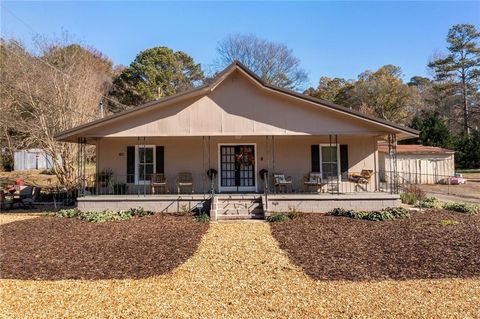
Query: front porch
<point x="232" y="177"/>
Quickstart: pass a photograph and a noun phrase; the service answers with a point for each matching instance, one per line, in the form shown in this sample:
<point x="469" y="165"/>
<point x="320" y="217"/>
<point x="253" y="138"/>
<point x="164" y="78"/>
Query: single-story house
<point x="419" y="164"/>
<point x="265" y="149"/>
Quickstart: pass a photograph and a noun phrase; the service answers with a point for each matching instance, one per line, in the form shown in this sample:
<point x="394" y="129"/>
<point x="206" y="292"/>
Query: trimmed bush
<point x="430" y="202"/>
<point x="389" y="213"/>
<point x="466" y="208"/>
<point x="103" y="216"/>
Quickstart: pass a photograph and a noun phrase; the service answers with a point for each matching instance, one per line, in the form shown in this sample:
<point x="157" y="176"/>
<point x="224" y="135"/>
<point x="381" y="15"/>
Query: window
<point x="329" y="161"/>
<point x="145" y="159"/>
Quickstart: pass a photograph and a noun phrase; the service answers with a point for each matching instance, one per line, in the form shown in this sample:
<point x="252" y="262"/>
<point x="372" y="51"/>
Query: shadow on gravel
<point x="52" y="248"/>
<point x="428" y="245"/>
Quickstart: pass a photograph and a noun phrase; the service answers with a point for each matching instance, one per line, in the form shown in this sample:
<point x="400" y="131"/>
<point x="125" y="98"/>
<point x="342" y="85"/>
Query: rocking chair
<point x="282" y="182"/>
<point x="184" y="179"/>
<point x="159" y="180"/>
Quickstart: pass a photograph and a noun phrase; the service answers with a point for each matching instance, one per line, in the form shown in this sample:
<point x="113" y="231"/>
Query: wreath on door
<point x="245" y="158"/>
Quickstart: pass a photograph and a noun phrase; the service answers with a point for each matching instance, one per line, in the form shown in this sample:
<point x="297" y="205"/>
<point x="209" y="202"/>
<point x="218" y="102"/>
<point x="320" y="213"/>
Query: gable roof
<point x="405" y="132"/>
<point x="414" y="149"/>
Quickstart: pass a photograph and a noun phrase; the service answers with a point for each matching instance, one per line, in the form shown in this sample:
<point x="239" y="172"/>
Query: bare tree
<point x="273" y="62"/>
<point x="49" y="93"/>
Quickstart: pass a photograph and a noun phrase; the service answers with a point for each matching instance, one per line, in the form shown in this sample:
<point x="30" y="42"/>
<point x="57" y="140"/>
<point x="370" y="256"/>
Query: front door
<point x="237" y="168"/>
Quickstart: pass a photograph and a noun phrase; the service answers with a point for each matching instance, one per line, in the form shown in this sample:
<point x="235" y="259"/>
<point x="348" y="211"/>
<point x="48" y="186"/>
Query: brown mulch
<point x="419" y="247"/>
<point x="53" y="248"/>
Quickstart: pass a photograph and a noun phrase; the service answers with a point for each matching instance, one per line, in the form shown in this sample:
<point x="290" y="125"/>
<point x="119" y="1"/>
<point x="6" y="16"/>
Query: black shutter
<point x="160" y="160"/>
<point x="344" y="160"/>
<point x="130" y="164"/>
<point x="316" y="158"/>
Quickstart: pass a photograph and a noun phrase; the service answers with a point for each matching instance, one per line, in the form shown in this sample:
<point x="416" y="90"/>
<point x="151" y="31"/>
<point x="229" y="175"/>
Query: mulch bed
<point x="419" y="247"/>
<point x="53" y="248"/>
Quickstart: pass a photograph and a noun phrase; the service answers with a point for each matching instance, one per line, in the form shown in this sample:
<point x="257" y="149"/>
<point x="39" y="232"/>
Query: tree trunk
<point x="466" y="127"/>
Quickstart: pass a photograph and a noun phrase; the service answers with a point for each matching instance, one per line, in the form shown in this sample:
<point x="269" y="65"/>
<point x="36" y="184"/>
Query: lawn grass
<point x="469" y="170"/>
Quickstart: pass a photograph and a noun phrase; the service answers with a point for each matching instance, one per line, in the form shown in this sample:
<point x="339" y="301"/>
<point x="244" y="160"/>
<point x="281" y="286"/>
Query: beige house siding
<point x="289" y="155"/>
<point x="238" y="107"/>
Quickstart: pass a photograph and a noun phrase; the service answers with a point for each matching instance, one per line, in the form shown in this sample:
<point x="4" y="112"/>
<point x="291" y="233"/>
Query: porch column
<point x="81" y="158"/>
<point x="392" y="151"/>
<point x="273" y="160"/>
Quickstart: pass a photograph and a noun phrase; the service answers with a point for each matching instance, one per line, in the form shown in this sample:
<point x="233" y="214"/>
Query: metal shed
<point x="34" y="158"/>
<point x="418" y="164"/>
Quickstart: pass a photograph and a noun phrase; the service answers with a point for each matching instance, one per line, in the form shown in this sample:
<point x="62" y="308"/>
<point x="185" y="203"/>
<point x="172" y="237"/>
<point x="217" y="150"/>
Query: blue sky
<point x="337" y="39"/>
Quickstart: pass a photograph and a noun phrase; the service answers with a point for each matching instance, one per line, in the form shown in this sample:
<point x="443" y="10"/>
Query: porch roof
<point x="247" y="104"/>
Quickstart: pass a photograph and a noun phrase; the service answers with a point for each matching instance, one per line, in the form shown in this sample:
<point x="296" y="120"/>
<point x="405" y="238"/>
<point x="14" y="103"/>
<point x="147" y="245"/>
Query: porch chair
<point x="313" y="180"/>
<point x="361" y="179"/>
<point x="184" y="179"/>
<point x="282" y="182"/>
<point x="160" y="181"/>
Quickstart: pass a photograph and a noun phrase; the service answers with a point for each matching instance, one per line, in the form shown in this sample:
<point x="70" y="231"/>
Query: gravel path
<point x="239" y="272"/>
<point x="6" y="218"/>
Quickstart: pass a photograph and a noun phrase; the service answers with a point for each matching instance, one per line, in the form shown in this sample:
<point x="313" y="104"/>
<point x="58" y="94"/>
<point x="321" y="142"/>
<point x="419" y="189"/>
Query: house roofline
<point x="215" y="82"/>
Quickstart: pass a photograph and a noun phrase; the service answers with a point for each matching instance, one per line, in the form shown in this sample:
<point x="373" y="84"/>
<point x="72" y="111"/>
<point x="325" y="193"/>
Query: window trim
<point x="339" y="174"/>
<point x="137" y="162"/>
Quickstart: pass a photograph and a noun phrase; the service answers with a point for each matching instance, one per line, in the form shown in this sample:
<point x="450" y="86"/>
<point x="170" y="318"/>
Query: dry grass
<point x="12" y="217"/>
<point x="30" y="177"/>
<point x="239" y="272"/>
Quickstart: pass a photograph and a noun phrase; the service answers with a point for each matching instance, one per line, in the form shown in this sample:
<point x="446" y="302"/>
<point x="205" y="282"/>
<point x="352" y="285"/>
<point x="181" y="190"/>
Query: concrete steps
<point x="231" y="207"/>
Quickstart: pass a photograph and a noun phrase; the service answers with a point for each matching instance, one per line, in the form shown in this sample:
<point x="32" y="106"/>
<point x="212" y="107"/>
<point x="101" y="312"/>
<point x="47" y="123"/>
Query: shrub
<point x="293" y="212"/>
<point x="203" y="218"/>
<point x="471" y="209"/>
<point x="69" y="213"/>
<point x="103" y="216"/>
<point x="430" y="202"/>
<point x="389" y="213"/>
<point x="277" y="217"/>
<point x="408" y="198"/>
<point x="416" y="192"/>
<point x="140" y="212"/>
<point x="343" y="212"/>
